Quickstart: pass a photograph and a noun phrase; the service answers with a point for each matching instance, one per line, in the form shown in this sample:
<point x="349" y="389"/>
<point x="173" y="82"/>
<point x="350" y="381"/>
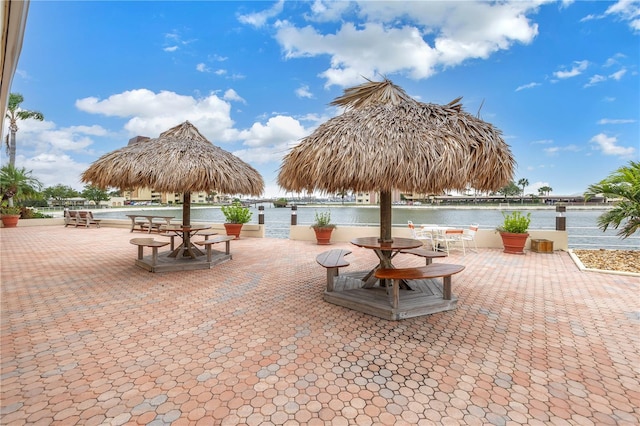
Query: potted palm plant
<point x="235" y="216"/>
<point x="323" y="227"/>
<point x="15" y="185"/>
<point x="514" y="231"/>
<point x="9" y="215"/>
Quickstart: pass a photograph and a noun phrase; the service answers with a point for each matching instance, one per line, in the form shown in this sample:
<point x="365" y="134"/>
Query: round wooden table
<point x="385" y="251"/>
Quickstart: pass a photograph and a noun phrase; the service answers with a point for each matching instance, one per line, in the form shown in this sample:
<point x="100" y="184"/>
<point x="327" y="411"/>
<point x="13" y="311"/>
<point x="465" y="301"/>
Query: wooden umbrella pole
<point x="385" y="216"/>
<point x="186" y="220"/>
<point x="186" y="209"/>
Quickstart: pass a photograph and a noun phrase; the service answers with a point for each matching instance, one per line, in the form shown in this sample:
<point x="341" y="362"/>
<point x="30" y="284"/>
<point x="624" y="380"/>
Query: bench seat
<point x="427" y="254"/>
<point x="148" y="242"/>
<point x="435" y="270"/>
<point x="332" y="260"/>
<point x="208" y="242"/>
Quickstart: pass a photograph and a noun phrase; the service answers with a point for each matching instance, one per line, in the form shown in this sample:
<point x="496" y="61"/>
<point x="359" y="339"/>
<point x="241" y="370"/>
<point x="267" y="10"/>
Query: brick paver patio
<point x="89" y="339"/>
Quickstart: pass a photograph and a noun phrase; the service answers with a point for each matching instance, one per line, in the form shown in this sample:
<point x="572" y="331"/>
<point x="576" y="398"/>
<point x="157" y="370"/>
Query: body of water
<point x="582" y="228"/>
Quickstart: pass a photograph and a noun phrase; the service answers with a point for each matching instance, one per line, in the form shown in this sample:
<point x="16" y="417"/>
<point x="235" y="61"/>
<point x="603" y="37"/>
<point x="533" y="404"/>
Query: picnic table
<point x="385" y="252"/>
<point x="147" y="223"/>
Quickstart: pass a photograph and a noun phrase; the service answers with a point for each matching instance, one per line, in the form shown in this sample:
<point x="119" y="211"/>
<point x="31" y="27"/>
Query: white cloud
<point x="613" y="60"/>
<point x="578" y="68"/>
<point x="527" y="86"/>
<point x="232" y="95"/>
<point x="279" y="130"/>
<point x="170" y="48"/>
<point x="432" y="35"/>
<point x="626" y="10"/>
<point x="555" y="150"/>
<point x="609" y="146"/>
<point x="303" y="92"/>
<point x="258" y="19"/>
<point x="618" y="75"/>
<point x="151" y="113"/>
<point x="595" y="80"/>
<point x="201" y="67"/>
<point x="52" y="169"/>
<point x="616" y="121"/>
<point x="542" y="142"/>
<point x="552" y="151"/>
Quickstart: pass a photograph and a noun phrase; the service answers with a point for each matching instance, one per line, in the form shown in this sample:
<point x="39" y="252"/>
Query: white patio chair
<point x="450" y="239"/>
<point x="469" y="236"/>
<point x="418" y="234"/>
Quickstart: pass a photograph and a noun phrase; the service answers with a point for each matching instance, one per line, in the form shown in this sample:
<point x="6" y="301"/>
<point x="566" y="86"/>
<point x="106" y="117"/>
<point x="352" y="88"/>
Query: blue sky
<point x="560" y="79"/>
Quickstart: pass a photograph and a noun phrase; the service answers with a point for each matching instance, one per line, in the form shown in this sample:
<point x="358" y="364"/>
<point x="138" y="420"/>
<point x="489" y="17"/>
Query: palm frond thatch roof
<point x="406" y="145"/>
<point x="181" y="160"/>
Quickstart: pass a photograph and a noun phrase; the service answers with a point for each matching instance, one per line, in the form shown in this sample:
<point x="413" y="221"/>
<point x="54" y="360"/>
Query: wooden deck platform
<point x="170" y="264"/>
<point x="424" y="299"/>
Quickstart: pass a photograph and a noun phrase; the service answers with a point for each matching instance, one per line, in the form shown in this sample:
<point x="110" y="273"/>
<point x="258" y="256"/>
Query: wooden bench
<point x="207" y="233"/>
<point x="148" y="242"/>
<point x="70" y="218"/>
<point x="172" y="239"/>
<point x="147" y="224"/>
<point x="427" y="254"/>
<point x="435" y="270"/>
<point x="86" y="218"/>
<point x="332" y="260"/>
<point x="221" y="239"/>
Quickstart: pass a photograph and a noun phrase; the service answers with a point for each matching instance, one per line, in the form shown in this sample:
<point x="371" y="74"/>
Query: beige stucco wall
<point x="488" y="238"/>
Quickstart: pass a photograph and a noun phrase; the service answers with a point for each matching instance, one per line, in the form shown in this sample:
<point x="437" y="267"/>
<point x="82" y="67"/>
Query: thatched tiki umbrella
<point x="386" y="140"/>
<point x="179" y="160"/>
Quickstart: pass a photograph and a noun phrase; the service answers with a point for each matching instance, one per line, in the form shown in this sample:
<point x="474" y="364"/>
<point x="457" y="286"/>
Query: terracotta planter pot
<point x="514" y="243"/>
<point x="233" y="229"/>
<point x="10" y="220"/>
<point x="323" y="235"/>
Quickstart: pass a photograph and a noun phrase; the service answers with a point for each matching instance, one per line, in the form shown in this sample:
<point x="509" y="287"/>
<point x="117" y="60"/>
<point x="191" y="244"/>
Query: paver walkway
<point x="88" y="338"/>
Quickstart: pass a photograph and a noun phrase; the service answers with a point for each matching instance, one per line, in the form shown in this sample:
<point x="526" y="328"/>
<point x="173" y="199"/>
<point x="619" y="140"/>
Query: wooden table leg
<point x="396" y="294"/>
<point x="154" y="256"/>
<point x="446" y="287"/>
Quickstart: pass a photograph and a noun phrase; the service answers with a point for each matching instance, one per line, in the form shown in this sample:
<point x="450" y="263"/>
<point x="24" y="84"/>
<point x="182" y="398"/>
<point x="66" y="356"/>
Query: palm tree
<point x="18" y="184"/>
<point x="13" y="114"/>
<point x="523" y="183"/>
<point x="342" y="194"/>
<point x="545" y="190"/>
<point x="624" y="183"/>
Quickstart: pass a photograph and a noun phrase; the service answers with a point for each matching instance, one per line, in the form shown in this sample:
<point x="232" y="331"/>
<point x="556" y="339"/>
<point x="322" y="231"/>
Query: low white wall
<point x="488" y="238"/>
<point x="249" y="230"/>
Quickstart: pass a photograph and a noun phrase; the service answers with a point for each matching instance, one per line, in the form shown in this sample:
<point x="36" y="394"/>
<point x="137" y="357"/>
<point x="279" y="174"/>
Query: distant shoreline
<point x="368" y="206"/>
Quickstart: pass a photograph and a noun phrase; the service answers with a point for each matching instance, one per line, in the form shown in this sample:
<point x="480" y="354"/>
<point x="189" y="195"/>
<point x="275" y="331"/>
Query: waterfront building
<point x="374" y="197"/>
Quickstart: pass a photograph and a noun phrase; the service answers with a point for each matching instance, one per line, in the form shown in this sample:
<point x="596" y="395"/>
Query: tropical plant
<point x="59" y="192"/>
<point x="524" y="182"/>
<point x="236" y="213"/>
<point x="6" y="209"/>
<point x="323" y="220"/>
<point x="14" y="114"/>
<point x="515" y="223"/>
<point x="95" y="194"/>
<point x="18" y="184"/>
<point x="545" y="190"/>
<point x="510" y="189"/>
<point x="280" y="202"/>
<point x="623" y="184"/>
